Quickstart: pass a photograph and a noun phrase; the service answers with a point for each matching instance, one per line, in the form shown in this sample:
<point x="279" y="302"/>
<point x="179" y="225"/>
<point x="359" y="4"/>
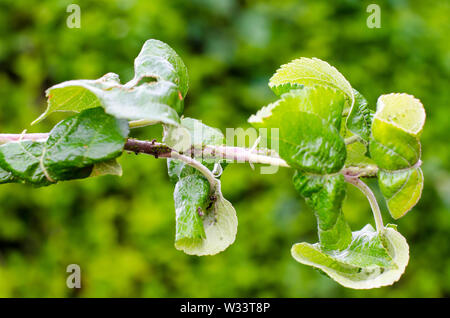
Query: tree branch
<point x="234" y="154"/>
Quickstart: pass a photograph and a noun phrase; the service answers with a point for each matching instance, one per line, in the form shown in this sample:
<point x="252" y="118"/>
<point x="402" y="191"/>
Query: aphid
<point x="200" y="211"/>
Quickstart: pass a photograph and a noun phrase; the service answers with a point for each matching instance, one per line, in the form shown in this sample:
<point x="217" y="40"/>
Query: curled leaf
<point x="372" y="260"/>
<point x="220" y="226"/>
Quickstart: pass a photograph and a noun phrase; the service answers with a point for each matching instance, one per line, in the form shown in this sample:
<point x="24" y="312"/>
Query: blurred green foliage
<point x="121" y="230"/>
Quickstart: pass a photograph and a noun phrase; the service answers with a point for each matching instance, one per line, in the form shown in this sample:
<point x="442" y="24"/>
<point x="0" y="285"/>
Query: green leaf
<point x="214" y="230"/>
<point x="158" y="60"/>
<point x="310" y="71"/>
<point x="191" y="196"/>
<point x="153" y="102"/>
<point x="73" y="147"/>
<point x="307" y="135"/>
<point x="359" y="120"/>
<point x="325" y="195"/>
<point x="396" y="126"/>
<point x="401" y="189"/>
<point x="372" y="260"/>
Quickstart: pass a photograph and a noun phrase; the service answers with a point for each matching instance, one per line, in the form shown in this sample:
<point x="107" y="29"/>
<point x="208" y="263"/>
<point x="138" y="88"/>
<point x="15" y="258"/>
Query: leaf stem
<point x="213" y="182"/>
<point x="372" y="200"/>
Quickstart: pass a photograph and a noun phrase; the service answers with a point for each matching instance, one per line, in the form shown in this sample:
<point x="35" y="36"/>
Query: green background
<point x="121" y="230"/>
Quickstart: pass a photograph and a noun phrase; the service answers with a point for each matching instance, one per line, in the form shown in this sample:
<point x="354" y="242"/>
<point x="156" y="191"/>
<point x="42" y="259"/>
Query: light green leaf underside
<point x="306" y="141"/>
<point x="73" y="148"/>
<point x="403" y="110"/>
<point x="220" y="225"/>
<point x="310" y="71"/>
<point x="362" y="266"/>
<point x="401" y="189"/>
<point x="325" y="195"/>
<point x="154" y="101"/>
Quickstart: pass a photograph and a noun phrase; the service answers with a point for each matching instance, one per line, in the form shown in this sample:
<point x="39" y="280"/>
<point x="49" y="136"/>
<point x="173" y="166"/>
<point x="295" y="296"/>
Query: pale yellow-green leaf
<point x="354" y="276"/>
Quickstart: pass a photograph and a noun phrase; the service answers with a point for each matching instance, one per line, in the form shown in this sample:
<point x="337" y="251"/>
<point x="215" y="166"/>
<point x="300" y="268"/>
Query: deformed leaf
<point x="154" y="95"/>
<point x="372" y="260"/>
<point x="152" y="102"/>
<point x="220" y="225"/>
<point x="402" y="110"/>
<point x="401" y="189"/>
<point x="73" y="147"/>
<point x="158" y="60"/>
<point x="325" y="195"/>
<point x="306" y="140"/>
<point x="310" y="71"/>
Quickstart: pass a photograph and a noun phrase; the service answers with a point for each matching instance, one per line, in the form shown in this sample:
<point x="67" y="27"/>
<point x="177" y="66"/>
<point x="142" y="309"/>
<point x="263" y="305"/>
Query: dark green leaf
<point x="73" y="147"/>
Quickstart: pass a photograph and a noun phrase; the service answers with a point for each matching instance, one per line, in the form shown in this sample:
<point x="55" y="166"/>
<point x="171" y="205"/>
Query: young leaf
<point x="152" y="102"/>
<point x="307" y="141"/>
<point x="73" y="147"/>
<point x="396" y="126"/>
<point x="401" y="189"/>
<point x="309" y="71"/>
<point x="360" y="118"/>
<point x="325" y="194"/>
<point x="372" y="260"/>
